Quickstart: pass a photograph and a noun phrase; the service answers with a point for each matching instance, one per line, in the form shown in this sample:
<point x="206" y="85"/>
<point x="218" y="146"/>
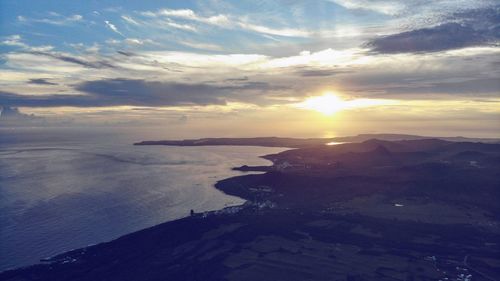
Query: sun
<point x="330" y="103"/>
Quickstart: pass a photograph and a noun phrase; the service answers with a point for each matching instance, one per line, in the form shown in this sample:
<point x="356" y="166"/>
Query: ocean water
<point x="65" y="189"/>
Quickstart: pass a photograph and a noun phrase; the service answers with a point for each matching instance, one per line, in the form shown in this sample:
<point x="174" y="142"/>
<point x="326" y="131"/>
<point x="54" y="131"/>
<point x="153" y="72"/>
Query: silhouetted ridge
<point x="311" y="142"/>
<point x="381" y="151"/>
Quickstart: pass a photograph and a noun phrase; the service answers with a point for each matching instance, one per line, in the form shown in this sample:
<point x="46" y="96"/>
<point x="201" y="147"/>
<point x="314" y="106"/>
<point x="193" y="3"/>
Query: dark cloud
<point x="11" y="116"/>
<point x="136" y="92"/>
<point x="90" y="64"/>
<point x="127" y="54"/>
<point x="237" y="79"/>
<point x="464" y="29"/>
<point x="12" y="99"/>
<point x="9" y="112"/>
<point x="151" y="93"/>
<point x="473" y="87"/>
<point x="320" y="72"/>
<point x="41" y="81"/>
<point x="236" y="85"/>
<point x="256" y="86"/>
<point x="424" y="88"/>
<point x="444" y="37"/>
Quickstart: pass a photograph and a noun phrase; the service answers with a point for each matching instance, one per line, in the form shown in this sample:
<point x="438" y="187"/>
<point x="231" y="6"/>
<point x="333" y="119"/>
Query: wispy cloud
<point x="181" y="26"/>
<point x="130" y="20"/>
<point x="113" y="27"/>
<point x="201" y="46"/>
<point x="75" y="60"/>
<point x="53" y="19"/>
<point x="429" y="9"/>
<point x="222" y="21"/>
<point x="187" y="14"/>
<point x="136" y="41"/>
<point x="14" y="40"/>
<point x="388" y="7"/>
<point x="288" y="32"/>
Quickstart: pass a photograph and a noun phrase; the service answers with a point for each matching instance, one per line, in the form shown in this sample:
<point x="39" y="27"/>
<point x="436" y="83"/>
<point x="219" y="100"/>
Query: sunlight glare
<point x="330" y="103"/>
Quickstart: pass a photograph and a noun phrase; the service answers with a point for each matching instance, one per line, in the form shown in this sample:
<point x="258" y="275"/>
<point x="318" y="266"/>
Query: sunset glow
<point x="330" y="103"/>
<point x="293" y="66"/>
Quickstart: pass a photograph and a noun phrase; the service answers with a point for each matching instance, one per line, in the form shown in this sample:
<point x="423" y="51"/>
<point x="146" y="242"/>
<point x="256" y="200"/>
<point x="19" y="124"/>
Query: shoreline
<point x="388" y="210"/>
<point x="249" y="207"/>
<point x="230" y="209"/>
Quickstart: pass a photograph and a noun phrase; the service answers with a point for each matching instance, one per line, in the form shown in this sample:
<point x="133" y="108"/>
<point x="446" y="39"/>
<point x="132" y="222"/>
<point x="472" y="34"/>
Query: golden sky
<point x="287" y="68"/>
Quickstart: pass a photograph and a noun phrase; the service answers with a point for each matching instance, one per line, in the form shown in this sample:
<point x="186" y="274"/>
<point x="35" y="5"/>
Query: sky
<point x="318" y="68"/>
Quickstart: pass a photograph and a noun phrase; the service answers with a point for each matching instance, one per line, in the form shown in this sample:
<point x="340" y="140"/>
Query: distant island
<point x="414" y="209"/>
<point x="307" y="142"/>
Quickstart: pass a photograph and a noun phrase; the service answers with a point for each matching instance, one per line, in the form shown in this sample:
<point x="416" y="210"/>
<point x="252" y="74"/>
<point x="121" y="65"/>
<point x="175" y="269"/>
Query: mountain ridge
<point x="305" y="142"/>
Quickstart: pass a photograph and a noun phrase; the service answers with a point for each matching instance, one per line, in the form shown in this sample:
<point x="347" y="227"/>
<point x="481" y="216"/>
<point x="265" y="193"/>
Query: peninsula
<point x="305" y="142"/>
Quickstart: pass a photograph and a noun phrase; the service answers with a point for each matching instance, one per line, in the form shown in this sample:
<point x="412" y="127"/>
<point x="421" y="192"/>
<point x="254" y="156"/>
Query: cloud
<point x="443" y="37"/>
<point x="130" y="20"/>
<point x="241" y="79"/>
<point x="11" y="116"/>
<point x="287" y="32"/>
<point x="470" y="87"/>
<point x="151" y="93"/>
<point x="186" y="27"/>
<point x="14" y="40"/>
<point x="113" y="27"/>
<point x="138" y="92"/>
<point x="414" y="8"/>
<point x="255" y="86"/>
<point x="41" y="81"/>
<point x="8" y="112"/>
<point x="53" y="19"/>
<point x="379" y="6"/>
<point x="463" y="29"/>
<point x="9" y="99"/>
<point x="439" y="38"/>
<point x="320" y="72"/>
<point x="222" y="21"/>
<point x="219" y="20"/>
<point x="324" y="58"/>
<point x="136" y="41"/>
<point x="457" y="74"/>
<point x="201" y="46"/>
<point x="127" y="54"/>
<point x="75" y="60"/>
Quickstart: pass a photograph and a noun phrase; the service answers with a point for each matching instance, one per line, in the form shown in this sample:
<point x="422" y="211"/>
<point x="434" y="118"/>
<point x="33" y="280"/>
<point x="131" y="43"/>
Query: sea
<point x="62" y="189"/>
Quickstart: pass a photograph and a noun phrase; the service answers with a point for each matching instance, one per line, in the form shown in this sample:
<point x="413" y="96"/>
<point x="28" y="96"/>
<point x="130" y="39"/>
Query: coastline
<point x="178" y="189"/>
<point x="304" y="222"/>
<point x="229" y="209"/>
